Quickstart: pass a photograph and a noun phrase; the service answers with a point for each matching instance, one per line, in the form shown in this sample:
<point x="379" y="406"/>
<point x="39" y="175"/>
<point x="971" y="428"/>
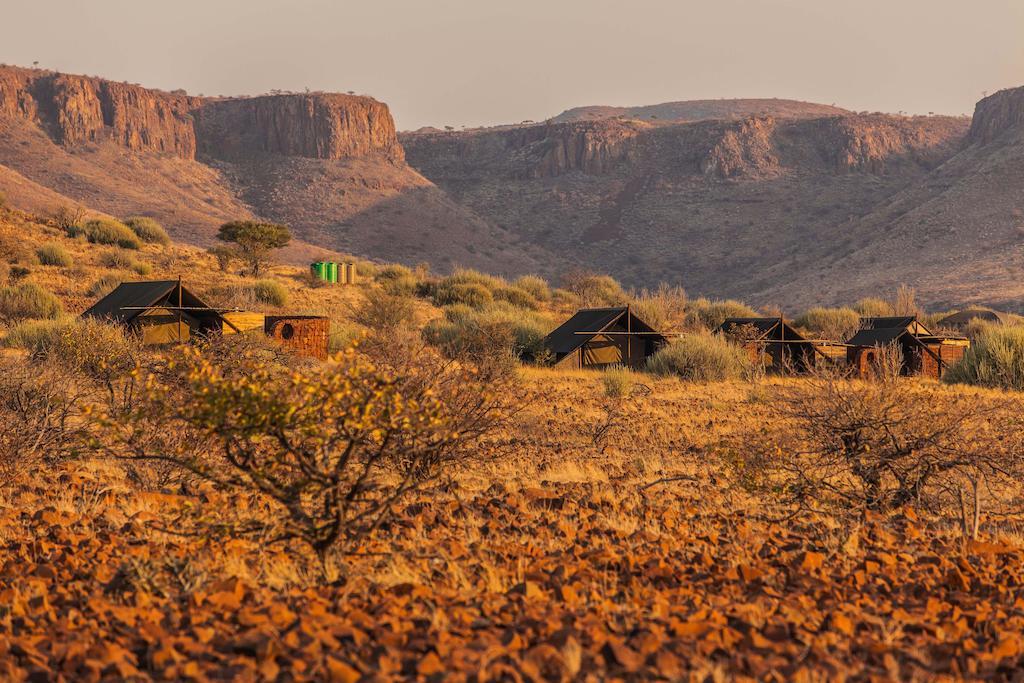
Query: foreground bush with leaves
<point x="331" y="448"/>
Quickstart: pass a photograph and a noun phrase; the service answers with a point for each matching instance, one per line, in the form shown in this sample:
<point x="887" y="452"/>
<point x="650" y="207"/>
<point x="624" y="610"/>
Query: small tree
<point x="254" y="241"/>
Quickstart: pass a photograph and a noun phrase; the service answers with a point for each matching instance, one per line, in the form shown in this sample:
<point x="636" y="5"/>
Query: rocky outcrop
<point x="870" y="143"/>
<point x="592" y="148"/>
<point x="316" y="126"/>
<point x="743" y="150"/>
<point x="78" y="109"/>
<point x="996" y="114"/>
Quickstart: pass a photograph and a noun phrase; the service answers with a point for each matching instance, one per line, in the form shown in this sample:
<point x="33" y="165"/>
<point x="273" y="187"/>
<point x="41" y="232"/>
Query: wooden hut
<point x="924" y="353"/>
<point x="603" y="337"/>
<point x="772" y="343"/>
<point x="161" y="311"/>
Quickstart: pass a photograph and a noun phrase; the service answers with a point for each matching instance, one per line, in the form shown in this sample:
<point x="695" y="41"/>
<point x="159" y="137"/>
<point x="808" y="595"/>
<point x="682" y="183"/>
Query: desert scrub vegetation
<point x="329" y="448"/>
<point x="880" y="446"/>
<point x="618" y="382"/>
<point x="593" y="289"/>
<point x="664" y="308"/>
<point x="710" y="314"/>
<point x="535" y="286"/>
<point x="384" y="312"/>
<point x="106" y="231"/>
<point x="485" y="333"/>
<point x="829" y="323"/>
<point x="27" y="301"/>
<point x="104" y="285"/>
<point x="120" y="259"/>
<point x="472" y="294"/>
<point x="53" y="254"/>
<point x="701" y="357"/>
<point x="397" y="280"/>
<point x="873" y="307"/>
<point x="148" y="230"/>
<point x="995" y="359"/>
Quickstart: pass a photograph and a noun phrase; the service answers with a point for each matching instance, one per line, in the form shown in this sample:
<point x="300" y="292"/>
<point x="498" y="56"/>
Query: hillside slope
<point x="328" y="165"/>
<point x="699" y="110"/>
<point x="725" y="208"/>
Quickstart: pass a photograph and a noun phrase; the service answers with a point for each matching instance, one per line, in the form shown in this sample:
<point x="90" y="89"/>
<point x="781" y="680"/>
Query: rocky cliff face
<point x="996" y="114"/>
<point x="745" y="149"/>
<point x="869" y="143"/>
<point x="315" y="126"/>
<point x="78" y="109"/>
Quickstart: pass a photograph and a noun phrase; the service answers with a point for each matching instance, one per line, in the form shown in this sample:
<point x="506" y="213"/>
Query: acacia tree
<point x="254" y="241"/>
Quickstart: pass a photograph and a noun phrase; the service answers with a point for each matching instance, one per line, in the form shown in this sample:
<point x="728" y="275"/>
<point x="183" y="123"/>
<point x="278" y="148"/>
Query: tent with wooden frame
<point x="773" y="343"/>
<point x="161" y="311"/>
<point x="603" y="337"/>
<point x="923" y="353"/>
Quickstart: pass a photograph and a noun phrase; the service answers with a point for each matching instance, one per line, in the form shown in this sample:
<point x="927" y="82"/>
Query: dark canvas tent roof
<point x="569" y="336"/>
<point x="887" y="322"/>
<point x="964" y="317"/>
<point x="131" y="299"/>
<point x="762" y="325"/>
<point x="876" y="337"/>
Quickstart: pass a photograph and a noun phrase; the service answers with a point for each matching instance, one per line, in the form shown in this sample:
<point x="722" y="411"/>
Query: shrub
<point x="224" y="255"/>
<point x="384" y="312"/>
<point x="54" y="255"/>
<point x="711" y="314"/>
<point x="448" y="293"/>
<point x="329" y="449"/>
<point x="122" y="260"/>
<point x="700" y="357"/>
<point x="515" y="296"/>
<point x="39" y="416"/>
<point x="488" y="333"/>
<point x="905" y="302"/>
<point x="397" y="280"/>
<point x="664" y="309"/>
<point x="830" y="323"/>
<point x="68" y="217"/>
<point x="105" y="285"/>
<point x="341" y="336"/>
<point x="106" y="231"/>
<point x="27" y="301"/>
<point x="617" y="382"/>
<point x="148" y="230"/>
<point x="995" y="359"/>
<point x="536" y="286"/>
<point x="269" y="292"/>
<point x="254" y="241"/>
<point x="871" y="307"/>
<point x="468" y="276"/>
<point x="592" y="289"/>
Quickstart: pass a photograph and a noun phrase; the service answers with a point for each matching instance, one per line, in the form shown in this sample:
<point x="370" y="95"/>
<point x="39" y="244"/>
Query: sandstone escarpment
<point x="743" y="150"/>
<point x="315" y="126"/>
<point x="996" y="114"/>
<point x="78" y="109"/>
<point x="869" y="143"/>
<point x="588" y="147"/>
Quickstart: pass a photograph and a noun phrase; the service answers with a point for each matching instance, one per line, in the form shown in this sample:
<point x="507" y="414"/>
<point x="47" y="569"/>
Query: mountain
<point x="328" y="165"/>
<point x="699" y="110"/>
<point x="724" y="207"/>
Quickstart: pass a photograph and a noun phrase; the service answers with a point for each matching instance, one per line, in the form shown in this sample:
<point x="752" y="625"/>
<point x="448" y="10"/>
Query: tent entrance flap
<point x="602" y="350"/>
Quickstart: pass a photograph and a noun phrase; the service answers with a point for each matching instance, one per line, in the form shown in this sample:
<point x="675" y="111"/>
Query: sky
<point x="487" y="62"/>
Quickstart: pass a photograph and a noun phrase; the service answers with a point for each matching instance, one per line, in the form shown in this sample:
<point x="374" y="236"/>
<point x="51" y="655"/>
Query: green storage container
<point x="319" y="270"/>
<point x="332" y="272"/>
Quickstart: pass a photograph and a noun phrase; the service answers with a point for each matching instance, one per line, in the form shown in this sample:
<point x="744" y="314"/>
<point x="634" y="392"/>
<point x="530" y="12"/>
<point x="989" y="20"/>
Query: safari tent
<point x="161" y="311"/>
<point x="603" y="337"/>
<point x="772" y="342"/>
<point x="962" y="319"/>
<point x="923" y="353"/>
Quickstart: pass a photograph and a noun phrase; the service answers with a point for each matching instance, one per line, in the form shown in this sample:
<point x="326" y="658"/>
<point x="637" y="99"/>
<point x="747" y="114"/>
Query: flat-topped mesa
<point x="79" y="109"/>
<point x="996" y="114"/>
<point x="317" y="126"/>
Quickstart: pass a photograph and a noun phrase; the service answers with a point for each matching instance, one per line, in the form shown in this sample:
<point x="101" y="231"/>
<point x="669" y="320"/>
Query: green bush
<point x="711" y="314"/>
<point x="465" y="330"/>
<point x="54" y="255"/>
<point x="269" y="292"/>
<point x="995" y="359"/>
<point x="105" y="285"/>
<point x="28" y="301"/>
<point x="664" y="309"/>
<point x="872" y="307"/>
<point x="592" y="289"/>
<point x="468" y="276"/>
<point x="515" y="296"/>
<point x="384" y="312"/>
<point x="472" y="294"/>
<point x="701" y="357"/>
<point x="29" y="334"/>
<point x="122" y="260"/>
<point x="148" y="230"/>
<point x="830" y="323"/>
<point x="397" y="280"/>
<point x="106" y="231"/>
<point x="100" y="351"/>
<point x="537" y="287"/>
<point x="617" y="382"/>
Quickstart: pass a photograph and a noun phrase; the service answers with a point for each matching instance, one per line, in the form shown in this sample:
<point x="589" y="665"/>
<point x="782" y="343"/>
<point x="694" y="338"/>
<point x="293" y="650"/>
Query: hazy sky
<point x="481" y="62"/>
